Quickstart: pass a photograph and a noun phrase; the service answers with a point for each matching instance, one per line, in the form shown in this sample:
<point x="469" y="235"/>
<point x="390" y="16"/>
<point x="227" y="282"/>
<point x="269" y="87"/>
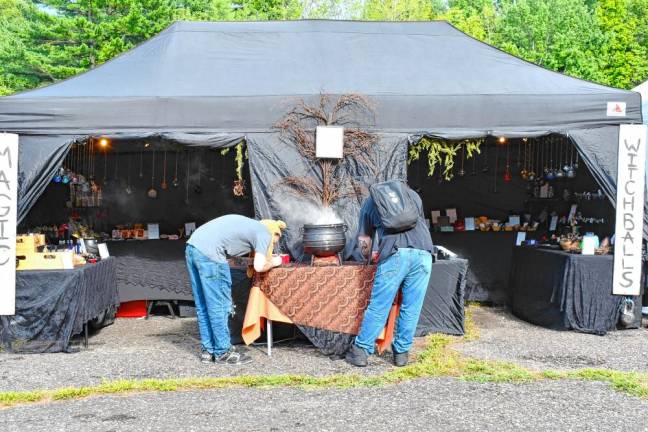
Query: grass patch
<point x="437" y="359"/>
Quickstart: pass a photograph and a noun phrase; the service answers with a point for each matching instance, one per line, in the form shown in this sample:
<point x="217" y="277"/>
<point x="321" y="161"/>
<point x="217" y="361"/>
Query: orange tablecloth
<point x="260" y="308"/>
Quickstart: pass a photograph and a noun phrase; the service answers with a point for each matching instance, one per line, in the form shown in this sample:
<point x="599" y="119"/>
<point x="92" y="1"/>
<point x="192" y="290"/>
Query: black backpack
<point x="395" y="205"/>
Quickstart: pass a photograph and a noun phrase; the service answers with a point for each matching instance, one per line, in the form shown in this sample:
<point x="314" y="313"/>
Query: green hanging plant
<point x="443" y="152"/>
<point x="240" y="162"/>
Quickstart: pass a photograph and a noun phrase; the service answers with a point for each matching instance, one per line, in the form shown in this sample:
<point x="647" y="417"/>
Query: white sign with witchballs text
<point x="629" y="210"/>
<point x="8" y="207"/>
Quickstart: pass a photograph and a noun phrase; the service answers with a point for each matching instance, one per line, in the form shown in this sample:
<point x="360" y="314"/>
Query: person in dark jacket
<point x="405" y="262"/>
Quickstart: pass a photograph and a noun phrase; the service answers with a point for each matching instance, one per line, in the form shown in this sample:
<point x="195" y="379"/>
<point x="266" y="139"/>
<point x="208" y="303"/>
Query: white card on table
<point x="153" y="231"/>
<point x="190" y="227"/>
<point x="521" y="236"/>
<point x="469" y="224"/>
<point x="452" y="214"/>
<point x="514" y="220"/>
<point x="103" y="250"/>
<point x="554" y="223"/>
<point x="435" y="216"/>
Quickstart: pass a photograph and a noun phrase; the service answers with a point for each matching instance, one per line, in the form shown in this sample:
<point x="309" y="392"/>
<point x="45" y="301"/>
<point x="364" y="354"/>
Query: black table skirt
<point x="489" y="254"/>
<point x="151" y="270"/>
<point x="53" y="305"/>
<point x="564" y="291"/>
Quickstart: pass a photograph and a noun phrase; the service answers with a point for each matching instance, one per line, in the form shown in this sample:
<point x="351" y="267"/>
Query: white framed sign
<point x="329" y="142"/>
<point x="629" y="210"/>
<point x="8" y="207"/>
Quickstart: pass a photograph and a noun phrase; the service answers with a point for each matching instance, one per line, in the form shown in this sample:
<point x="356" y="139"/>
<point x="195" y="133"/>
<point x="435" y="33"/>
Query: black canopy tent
<point x="215" y="84"/>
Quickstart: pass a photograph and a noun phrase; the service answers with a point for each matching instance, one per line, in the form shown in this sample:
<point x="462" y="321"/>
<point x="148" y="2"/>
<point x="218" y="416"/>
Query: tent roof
<point x="242" y="77"/>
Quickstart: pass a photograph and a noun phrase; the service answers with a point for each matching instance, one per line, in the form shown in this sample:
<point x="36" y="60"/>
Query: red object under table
<point x="132" y="309"/>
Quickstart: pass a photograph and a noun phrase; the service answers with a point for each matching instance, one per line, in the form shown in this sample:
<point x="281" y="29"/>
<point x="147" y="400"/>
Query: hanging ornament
<point x="141" y="172"/>
<point x="496" y="166"/>
<point x="197" y="188"/>
<point x="474" y="165"/>
<point x="129" y="188"/>
<point x="164" y="184"/>
<point x="531" y="174"/>
<point x="105" y="177"/>
<point x="561" y="152"/>
<point x="507" y="170"/>
<point x="152" y="192"/>
<point x="175" y="181"/>
<point x="187" y="181"/>
<point x="211" y="170"/>
<point x="485" y="166"/>
<point x="525" y="159"/>
<point x="461" y="172"/>
<point x="58" y="176"/>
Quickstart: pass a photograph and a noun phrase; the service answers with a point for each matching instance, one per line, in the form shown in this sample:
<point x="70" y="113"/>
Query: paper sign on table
<point x="514" y="220"/>
<point x="469" y="224"/>
<point x="452" y="214"/>
<point x="521" y="236"/>
<point x="190" y="227"/>
<point x="435" y="216"/>
<point x="153" y="231"/>
<point x="554" y="223"/>
<point x="103" y="250"/>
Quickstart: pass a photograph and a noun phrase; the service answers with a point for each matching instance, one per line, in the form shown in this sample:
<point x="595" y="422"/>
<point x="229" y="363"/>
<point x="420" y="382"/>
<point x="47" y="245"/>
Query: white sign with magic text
<point x="8" y="209"/>
<point x="629" y="210"/>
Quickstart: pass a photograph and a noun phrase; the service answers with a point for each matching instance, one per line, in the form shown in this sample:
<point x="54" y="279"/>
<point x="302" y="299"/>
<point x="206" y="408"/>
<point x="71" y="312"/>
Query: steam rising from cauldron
<point x="298" y="212"/>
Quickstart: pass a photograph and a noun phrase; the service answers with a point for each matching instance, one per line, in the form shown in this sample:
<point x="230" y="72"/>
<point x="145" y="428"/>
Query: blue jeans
<point x="411" y="268"/>
<point x="211" y="283"/>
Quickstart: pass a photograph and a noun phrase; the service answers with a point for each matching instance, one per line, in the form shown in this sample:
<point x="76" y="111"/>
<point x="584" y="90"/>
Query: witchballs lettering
<point x="628" y="207"/>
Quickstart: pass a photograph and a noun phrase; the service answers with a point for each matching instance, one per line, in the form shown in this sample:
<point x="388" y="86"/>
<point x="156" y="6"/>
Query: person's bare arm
<point x="262" y="264"/>
<point x="365" y="245"/>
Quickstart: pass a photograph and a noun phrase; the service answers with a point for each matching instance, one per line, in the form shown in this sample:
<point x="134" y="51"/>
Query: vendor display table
<point x="54" y="305"/>
<point x="489" y="254"/>
<point x="564" y="291"/>
<point x="328" y="303"/>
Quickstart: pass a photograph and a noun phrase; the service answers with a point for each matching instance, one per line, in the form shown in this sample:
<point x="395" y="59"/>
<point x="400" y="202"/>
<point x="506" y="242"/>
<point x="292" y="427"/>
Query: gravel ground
<point x="159" y="348"/>
<point x="431" y="404"/>
<point x="505" y="337"/>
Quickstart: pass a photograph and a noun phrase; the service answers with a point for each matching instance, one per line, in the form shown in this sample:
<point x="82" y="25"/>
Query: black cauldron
<point x="324" y="240"/>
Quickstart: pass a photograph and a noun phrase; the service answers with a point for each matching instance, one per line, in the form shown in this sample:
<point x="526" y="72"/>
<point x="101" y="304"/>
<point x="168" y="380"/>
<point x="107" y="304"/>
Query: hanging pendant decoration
<point x="105" y="177"/>
<point x="187" y="177"/>
<point x="164" y="185"/>
<point x="507" y="171"/>
<point x="462" y="172"/>
<point x="175" y="181"/>
<point x="197" y="187"/>
<point x="141" y="172"/>
<point x="129" y="189"/>
<point x="152" y="192"/>
<point x="525" y="159"/>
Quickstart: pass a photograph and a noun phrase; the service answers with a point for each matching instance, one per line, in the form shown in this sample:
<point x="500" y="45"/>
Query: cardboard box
<point x="46" y="261"/>
<point x="29" y="243"/>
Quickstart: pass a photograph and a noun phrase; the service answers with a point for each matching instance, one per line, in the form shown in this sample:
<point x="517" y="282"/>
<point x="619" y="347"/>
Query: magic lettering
<point x="6" y="204"/>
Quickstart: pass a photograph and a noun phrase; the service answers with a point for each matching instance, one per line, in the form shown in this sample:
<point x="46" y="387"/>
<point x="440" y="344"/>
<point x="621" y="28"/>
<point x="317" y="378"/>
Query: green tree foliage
<point x="558" y="34"/>
<point x="623" y="58"/>
<point x="401" y="10"/>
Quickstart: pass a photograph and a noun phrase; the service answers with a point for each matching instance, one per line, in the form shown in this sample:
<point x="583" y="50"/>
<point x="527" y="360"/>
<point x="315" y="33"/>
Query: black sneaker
<point x="206" y="357"/>
<point x="233" y="357"/>
<point x="400" y="359"/>
<point x="356" y="356"/>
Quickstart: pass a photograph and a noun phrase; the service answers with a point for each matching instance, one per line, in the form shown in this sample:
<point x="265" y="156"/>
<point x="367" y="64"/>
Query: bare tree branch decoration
<point x="297" y="128"/>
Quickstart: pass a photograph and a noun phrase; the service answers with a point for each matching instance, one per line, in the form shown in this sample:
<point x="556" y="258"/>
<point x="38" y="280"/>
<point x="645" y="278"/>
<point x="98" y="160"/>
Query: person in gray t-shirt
<point x="207" y="252"/>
